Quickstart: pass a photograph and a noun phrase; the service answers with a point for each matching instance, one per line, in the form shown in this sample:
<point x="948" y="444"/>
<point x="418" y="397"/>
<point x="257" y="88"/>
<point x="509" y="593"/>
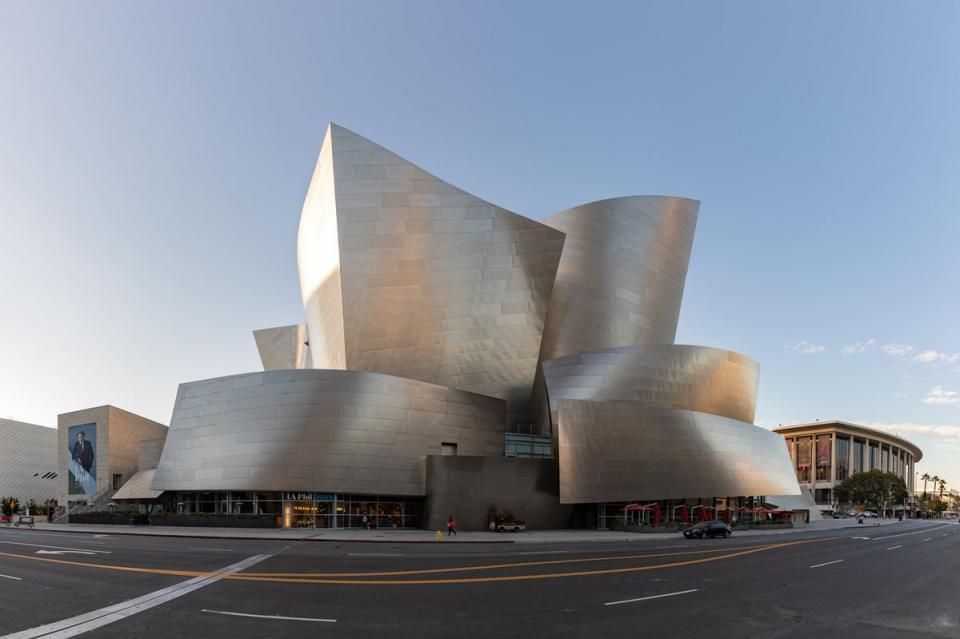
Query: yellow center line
<point x="476" y="580"/>
<point x="311" y="578"/>
<point x="84" y="564"/>
<point x="525" y="564"/>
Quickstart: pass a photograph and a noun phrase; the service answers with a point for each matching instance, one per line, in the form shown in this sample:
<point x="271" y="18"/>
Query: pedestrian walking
<point x="451" y="526"/>
<point x="365" y="522"/>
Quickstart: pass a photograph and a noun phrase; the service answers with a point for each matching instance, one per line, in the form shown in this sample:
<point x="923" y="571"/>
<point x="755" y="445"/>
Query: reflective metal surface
<point x="416" y="292"/>
<point x="318" y="263"/>
<point x="621" y="277"/>
<point x="623" y="451"/>
<point x="697" y="378"/>
<point x="402" y="273"/>
<point x="283" y="347"/>
<point x="803" y="501"/>
<point x="138" y="487"/>
<point x="320" y="430"/>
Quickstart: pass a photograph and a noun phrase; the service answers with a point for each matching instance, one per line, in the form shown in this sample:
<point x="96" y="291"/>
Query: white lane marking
<point x="20" y="543"/>
<point x="915" y="532"/>
<point x="894" y="547"/>
<point x="374" y="554"/>
<point x="279" y="617"/>
<point x="944" y="535"/>
<point x="861" y="538"/>
<point x="64" y="552"/>
<point x="11" y="577"/>
<point x="102" y="536"/>
<point x="835" y="561"/>
<point x="214" y="549"/>
<point x="542" y="552"/>
<point x="927" y="539"/>
<point x="86" y="622"/>
<point x="669" y="594"/>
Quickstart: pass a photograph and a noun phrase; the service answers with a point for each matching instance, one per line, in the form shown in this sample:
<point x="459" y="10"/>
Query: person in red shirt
<point x="451" y="526"/>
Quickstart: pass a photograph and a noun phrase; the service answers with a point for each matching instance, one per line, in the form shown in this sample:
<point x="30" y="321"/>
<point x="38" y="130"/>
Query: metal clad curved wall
<point x="320" y="430"/>
<point x="437" y="284"/>
<point x="621" y="277"/>
<point x="622" y="451"/>
<point x="696" y="378"/>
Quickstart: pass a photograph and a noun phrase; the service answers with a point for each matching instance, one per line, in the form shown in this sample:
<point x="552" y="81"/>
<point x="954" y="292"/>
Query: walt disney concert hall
<point x="459" y="358"/>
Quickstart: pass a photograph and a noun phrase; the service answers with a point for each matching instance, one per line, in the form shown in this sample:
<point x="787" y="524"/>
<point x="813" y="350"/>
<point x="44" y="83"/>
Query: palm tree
<point x="943" y="484"/>
<point x="925" y="477"/>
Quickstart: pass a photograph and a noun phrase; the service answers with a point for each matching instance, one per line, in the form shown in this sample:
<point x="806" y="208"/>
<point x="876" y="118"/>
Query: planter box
<point x="645" y="529"/>
<point x="217" y="521"/>
<point x="213" y="521"/>
<point x="101" y="518"/>
<point x="767" y="526"/>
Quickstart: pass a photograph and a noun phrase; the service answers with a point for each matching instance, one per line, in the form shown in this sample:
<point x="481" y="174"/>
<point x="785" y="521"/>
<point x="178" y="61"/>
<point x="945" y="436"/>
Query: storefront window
<point x="307" y="509"/>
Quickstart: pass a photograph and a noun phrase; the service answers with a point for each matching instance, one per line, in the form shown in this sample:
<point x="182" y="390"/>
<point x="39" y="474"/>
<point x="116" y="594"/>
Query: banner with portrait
<point x="803" y="452"/>
<point x="823" y="450"/>
<point x="82" y="459"/>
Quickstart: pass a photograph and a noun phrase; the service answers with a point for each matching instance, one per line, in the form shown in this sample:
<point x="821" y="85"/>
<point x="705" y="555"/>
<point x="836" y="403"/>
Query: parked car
<point x="508" y="526"/>
<point x="707" y="529"/>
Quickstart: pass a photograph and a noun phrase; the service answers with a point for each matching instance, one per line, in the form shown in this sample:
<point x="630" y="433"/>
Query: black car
<point x="707" y="529"/>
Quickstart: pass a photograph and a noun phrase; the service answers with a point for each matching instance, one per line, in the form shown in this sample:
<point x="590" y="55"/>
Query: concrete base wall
<point x="469" y="488"/>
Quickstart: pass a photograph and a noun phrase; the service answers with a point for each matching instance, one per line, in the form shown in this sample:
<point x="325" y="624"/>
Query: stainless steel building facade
<point x="440" y="331"/>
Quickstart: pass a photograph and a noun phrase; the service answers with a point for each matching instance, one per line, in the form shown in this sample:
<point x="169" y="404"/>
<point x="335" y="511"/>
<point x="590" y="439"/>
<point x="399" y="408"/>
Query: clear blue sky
<point x="154" y="158"/>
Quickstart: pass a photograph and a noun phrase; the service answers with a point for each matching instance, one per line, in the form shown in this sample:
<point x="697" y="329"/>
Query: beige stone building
<point x="824" y="453"/>
<point x="99" y="450"/>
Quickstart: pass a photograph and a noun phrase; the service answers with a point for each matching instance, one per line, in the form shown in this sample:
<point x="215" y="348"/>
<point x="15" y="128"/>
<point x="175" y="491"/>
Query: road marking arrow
<point x="64" y="552"/>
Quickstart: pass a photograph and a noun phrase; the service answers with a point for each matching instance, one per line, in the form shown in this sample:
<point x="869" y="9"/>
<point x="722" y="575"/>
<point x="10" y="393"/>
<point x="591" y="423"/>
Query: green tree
<point x="10" y="506"/>
<point x="874" y="488"/>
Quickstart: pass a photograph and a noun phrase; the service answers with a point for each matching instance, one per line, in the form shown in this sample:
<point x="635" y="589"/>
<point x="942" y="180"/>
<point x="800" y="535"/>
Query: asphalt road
<point x="895" y="581"/>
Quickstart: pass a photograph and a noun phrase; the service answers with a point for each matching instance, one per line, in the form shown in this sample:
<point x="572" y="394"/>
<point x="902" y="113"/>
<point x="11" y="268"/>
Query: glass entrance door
<point x="300" y="514"/>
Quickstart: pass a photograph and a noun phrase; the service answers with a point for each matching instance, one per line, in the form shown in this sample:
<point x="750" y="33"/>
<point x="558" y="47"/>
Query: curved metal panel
<point x="803" y="501"/>
<point x="696" y="378"/>
<point x="282" y="347"/>
<point x="621" y="277"/>
<point x="320" y="430"/>
<point x="435" y="284"/>
<point x="624" y="451"/>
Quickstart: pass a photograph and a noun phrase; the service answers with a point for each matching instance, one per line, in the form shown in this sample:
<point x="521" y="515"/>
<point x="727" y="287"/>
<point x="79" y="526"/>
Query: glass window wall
<point x="843" y="458"/>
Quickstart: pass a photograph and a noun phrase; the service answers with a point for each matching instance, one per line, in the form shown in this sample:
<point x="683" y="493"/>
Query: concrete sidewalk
<point x="427" y="536"/>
